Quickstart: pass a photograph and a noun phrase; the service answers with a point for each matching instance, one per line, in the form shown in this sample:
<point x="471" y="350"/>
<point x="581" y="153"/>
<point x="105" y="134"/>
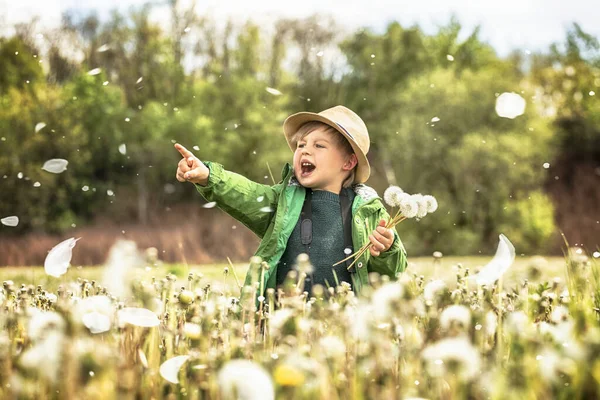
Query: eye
<point x="319" y="145"/>
<point x="300" y="145"/>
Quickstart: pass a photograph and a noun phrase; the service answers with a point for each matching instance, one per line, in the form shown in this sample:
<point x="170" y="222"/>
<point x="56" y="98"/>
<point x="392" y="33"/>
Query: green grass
<point x="445" y="270"/>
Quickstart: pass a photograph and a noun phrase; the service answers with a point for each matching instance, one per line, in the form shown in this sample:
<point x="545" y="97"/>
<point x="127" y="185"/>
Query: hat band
<point x="345" y="130"/>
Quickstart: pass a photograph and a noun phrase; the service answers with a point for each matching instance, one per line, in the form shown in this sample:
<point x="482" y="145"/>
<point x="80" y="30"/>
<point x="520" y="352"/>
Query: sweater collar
<point x="360" y="189"/>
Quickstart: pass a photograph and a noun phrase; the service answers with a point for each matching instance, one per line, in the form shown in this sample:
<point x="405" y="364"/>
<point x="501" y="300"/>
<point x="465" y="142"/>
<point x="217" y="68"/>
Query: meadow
<point x="183" y="331"/>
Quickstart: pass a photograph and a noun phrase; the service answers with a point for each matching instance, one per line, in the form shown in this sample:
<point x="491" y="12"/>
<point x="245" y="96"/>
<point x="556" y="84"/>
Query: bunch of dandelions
<point x="408" y="206"/>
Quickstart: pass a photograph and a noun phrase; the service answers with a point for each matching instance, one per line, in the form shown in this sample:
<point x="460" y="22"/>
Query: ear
<point x="350" y="162"/>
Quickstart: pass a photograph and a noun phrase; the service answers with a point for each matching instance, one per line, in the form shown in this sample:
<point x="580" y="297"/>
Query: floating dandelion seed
<point x="37" y="184"/>
<point x="39" y="126"/>
<point x="546" y="165"/>
<point x="273" y="91"/>
<point x="55" y="165"/>
<point x="435" y="119"/>
<point x="103" y="48"/>
<point x="266" y="209"/>
<point x="96" y="313"/>
<point x="210" y="204"/>
<point x="59" y="258"/>
<point x="123" y="149"/>
<point x="13" y="220"/>
<point x="96" y="322"/>
<point x="449" y="57"/>
<point x="139" y="79"/>
<point x="94" y="71"/>
<point x="138" y="317"/>
<point x="85" y="188"/>
<point x="510" y="105"/>
<point x="170" y="368"/>
<point x="196" y="148"/>
<point x="503" y="259"/>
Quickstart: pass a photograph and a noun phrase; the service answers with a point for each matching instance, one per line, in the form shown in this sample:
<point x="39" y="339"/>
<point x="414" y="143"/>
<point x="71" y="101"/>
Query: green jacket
<point x="246" y="201"/>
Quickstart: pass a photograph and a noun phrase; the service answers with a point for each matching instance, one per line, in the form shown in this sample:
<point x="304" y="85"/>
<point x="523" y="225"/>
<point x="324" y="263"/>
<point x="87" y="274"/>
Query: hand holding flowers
<point x="409" y="206"/>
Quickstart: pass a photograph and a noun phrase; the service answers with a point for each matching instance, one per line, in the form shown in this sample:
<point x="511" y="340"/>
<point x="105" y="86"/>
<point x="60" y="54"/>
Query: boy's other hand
<point x="381" y="238"/>
<point x="190" y="168"/>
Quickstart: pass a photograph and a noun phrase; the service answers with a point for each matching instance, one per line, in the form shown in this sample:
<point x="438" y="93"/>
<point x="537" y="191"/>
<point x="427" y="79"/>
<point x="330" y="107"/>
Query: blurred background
<point x="109" y="86"/>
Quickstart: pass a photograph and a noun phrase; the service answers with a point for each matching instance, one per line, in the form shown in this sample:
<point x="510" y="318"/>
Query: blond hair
<point x="339" y="140"/>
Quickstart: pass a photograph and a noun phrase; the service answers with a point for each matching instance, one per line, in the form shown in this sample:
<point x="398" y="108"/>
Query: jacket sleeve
<point x="393" y="261"/>
<point x="251" y="203"/>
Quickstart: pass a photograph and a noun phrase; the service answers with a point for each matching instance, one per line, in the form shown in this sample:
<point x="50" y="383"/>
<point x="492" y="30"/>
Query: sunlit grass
<point x="445" y="270"/>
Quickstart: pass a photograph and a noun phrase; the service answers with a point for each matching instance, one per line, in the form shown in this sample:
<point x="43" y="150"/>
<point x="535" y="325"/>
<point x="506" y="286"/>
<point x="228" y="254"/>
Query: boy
<point x="321" y="207"/>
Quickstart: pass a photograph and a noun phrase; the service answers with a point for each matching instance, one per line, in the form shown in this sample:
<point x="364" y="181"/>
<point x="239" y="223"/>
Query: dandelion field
<point x="184" y="332"/>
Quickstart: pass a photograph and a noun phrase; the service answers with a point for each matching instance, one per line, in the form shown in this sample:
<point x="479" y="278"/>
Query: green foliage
<point x="529" y="221"/>
<point x="431" y="118"/>
<point x="19" y="65"/>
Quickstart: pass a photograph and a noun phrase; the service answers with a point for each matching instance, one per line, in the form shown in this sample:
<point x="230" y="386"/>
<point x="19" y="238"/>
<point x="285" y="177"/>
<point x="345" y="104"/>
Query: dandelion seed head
<point x="391" y="196"/>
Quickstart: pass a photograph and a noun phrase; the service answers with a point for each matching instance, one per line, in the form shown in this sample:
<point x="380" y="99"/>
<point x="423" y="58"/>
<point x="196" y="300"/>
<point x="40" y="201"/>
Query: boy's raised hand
<point x="190" y="168"/>
<point x="381" y="238"/>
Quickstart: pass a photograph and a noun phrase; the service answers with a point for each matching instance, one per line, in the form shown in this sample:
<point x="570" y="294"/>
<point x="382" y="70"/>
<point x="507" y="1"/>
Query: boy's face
<point x="330" y="165"/>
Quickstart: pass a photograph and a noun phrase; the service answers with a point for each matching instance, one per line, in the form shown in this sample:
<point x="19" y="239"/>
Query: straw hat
<point x="346" y="122"/>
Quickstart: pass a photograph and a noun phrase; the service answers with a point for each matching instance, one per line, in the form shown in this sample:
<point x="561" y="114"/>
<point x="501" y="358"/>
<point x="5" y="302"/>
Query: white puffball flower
<point x="433" y="288"/>
<point x="278" y="319"/>
<point x="409" y="206"/>
<point x="391" y="196"/>
<point x="559" y="314"/>
<point x="333" y="346"/>
<point x="456" y="352"/>
<point x="384" y="297"/>
<point x="245" y="380"/>
<point x="192" y="331"/>
<point x="431" y="202"/>
<point x="515" y="322"/>
<point x="42" y="322"/>
<point x="421" y="204"/>
<point x="456" y="315"/>
<point x="491" y="323"/>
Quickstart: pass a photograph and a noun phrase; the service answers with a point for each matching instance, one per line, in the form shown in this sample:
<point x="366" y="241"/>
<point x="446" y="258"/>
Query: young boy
<point x="320" y="207"/>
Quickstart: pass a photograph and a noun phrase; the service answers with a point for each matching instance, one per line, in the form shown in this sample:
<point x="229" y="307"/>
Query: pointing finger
<point x="190" y="162"/>
<point x="185" y="153"/>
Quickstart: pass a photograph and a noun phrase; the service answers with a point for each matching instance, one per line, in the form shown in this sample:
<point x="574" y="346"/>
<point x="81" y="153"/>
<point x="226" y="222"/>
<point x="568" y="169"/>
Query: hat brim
<point x="295" y="121"/>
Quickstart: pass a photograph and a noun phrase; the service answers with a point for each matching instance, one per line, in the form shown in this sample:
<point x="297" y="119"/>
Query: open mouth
<point x="307" y="169"/>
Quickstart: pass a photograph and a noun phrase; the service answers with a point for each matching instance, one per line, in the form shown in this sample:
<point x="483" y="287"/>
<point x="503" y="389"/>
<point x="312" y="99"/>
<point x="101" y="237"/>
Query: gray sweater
<point x="327" y="245"/>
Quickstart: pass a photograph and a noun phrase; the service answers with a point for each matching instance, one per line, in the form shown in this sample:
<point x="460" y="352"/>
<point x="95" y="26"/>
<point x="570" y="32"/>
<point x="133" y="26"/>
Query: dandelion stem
<point x="234" y="274"/>
<point x="392" y="222"/>
<point x="271" y="173"/>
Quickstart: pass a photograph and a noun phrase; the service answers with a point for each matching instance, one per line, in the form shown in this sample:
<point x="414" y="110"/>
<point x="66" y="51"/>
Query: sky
<point x="506" y="24"/>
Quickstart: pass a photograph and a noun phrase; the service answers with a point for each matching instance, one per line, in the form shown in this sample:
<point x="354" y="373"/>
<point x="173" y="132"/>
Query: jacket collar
<point x="365" y="192"/>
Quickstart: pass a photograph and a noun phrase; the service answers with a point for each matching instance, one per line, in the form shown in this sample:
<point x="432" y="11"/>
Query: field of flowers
<point x="132" y="334"/>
